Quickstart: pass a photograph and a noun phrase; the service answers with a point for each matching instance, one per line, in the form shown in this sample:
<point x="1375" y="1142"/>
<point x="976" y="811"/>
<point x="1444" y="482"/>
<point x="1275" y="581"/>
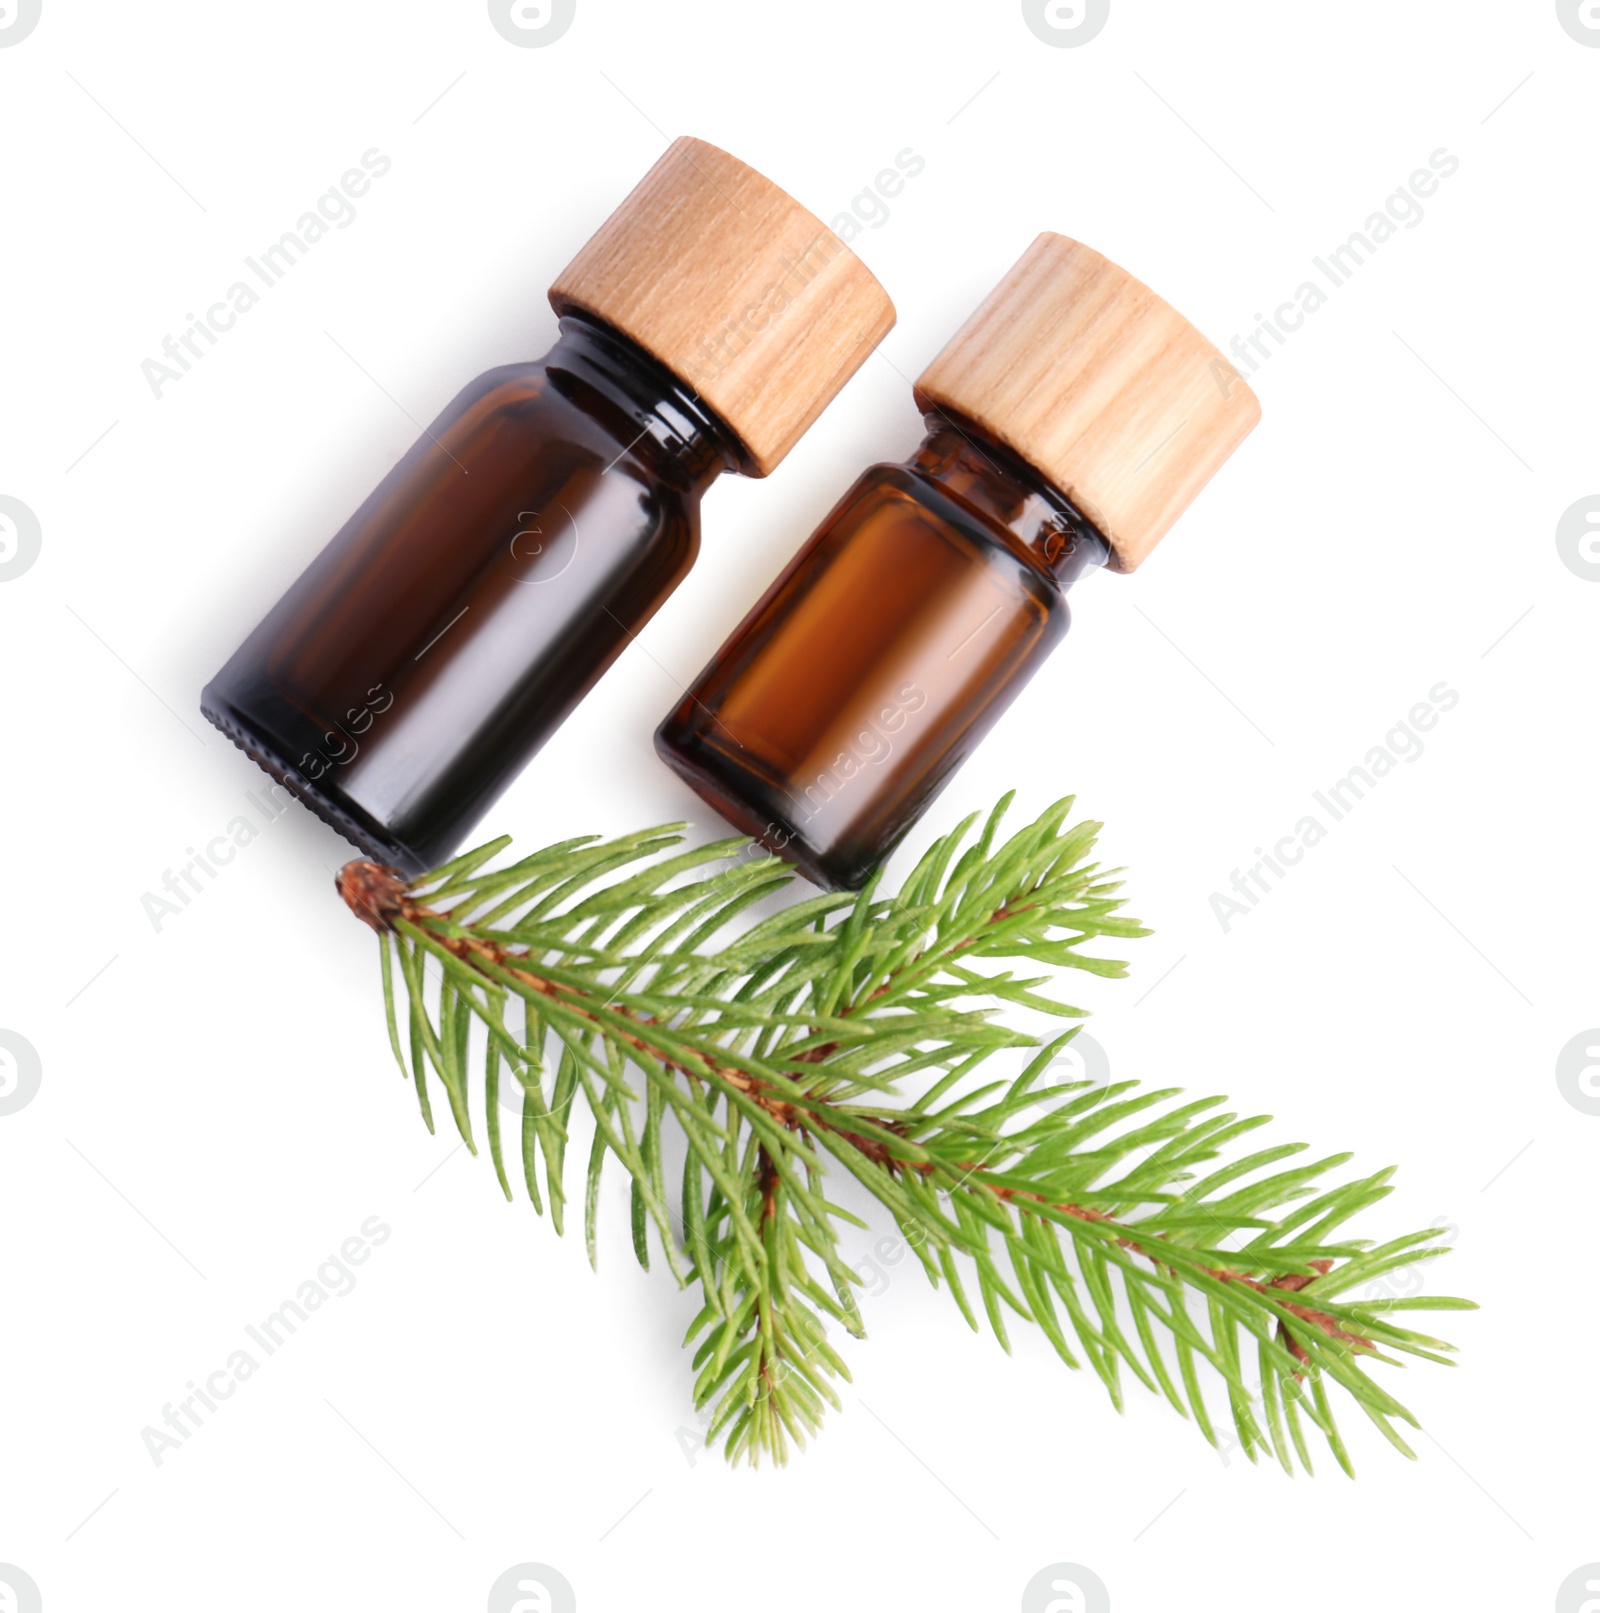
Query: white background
<point x="219" y="1111"/>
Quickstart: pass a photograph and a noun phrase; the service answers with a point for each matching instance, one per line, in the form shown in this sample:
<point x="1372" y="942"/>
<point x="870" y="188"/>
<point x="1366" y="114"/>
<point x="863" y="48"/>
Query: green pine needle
<point x="777" y="1055"/>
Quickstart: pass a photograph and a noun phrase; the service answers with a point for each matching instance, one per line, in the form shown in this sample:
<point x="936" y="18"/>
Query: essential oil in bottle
<point x="506" y="561"/>
<point x="1069" y="423"/>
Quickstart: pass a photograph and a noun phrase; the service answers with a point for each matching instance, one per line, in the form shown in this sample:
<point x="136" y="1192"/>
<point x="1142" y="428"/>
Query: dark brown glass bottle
<point x="884" y="653"/>
<point x="507" y="560"/>
<point x="1069" y="423"/>
<point x="462" y="612"/>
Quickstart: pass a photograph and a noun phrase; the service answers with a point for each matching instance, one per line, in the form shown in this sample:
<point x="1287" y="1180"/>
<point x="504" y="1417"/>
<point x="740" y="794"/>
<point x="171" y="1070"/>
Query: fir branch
<point x="602" y="971"/>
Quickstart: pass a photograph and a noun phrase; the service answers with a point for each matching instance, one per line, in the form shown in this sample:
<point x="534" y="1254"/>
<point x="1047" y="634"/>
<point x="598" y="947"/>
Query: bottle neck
<point x="654" y="416"/>
<point x="1010" y="497"/>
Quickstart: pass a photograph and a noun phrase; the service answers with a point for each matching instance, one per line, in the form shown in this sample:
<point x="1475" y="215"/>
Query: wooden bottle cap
<point x="1106" y="390"/>
<point x="737" y="289"/>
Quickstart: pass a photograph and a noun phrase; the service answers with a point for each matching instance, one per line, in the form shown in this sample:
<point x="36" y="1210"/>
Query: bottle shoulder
<point x="560" y="402"/>
<point x="924" y="498"/>
<point x="507" y="389"/>
<point x="533" y="403"/>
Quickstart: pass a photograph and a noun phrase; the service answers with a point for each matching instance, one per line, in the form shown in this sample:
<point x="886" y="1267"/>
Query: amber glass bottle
<point x="507" y="560"/>
<point x="1068" y="424"/>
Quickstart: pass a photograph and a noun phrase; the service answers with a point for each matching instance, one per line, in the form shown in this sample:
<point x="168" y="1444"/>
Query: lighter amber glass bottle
<point x="1069" y="423"/>
<point x="463" y="611"/>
